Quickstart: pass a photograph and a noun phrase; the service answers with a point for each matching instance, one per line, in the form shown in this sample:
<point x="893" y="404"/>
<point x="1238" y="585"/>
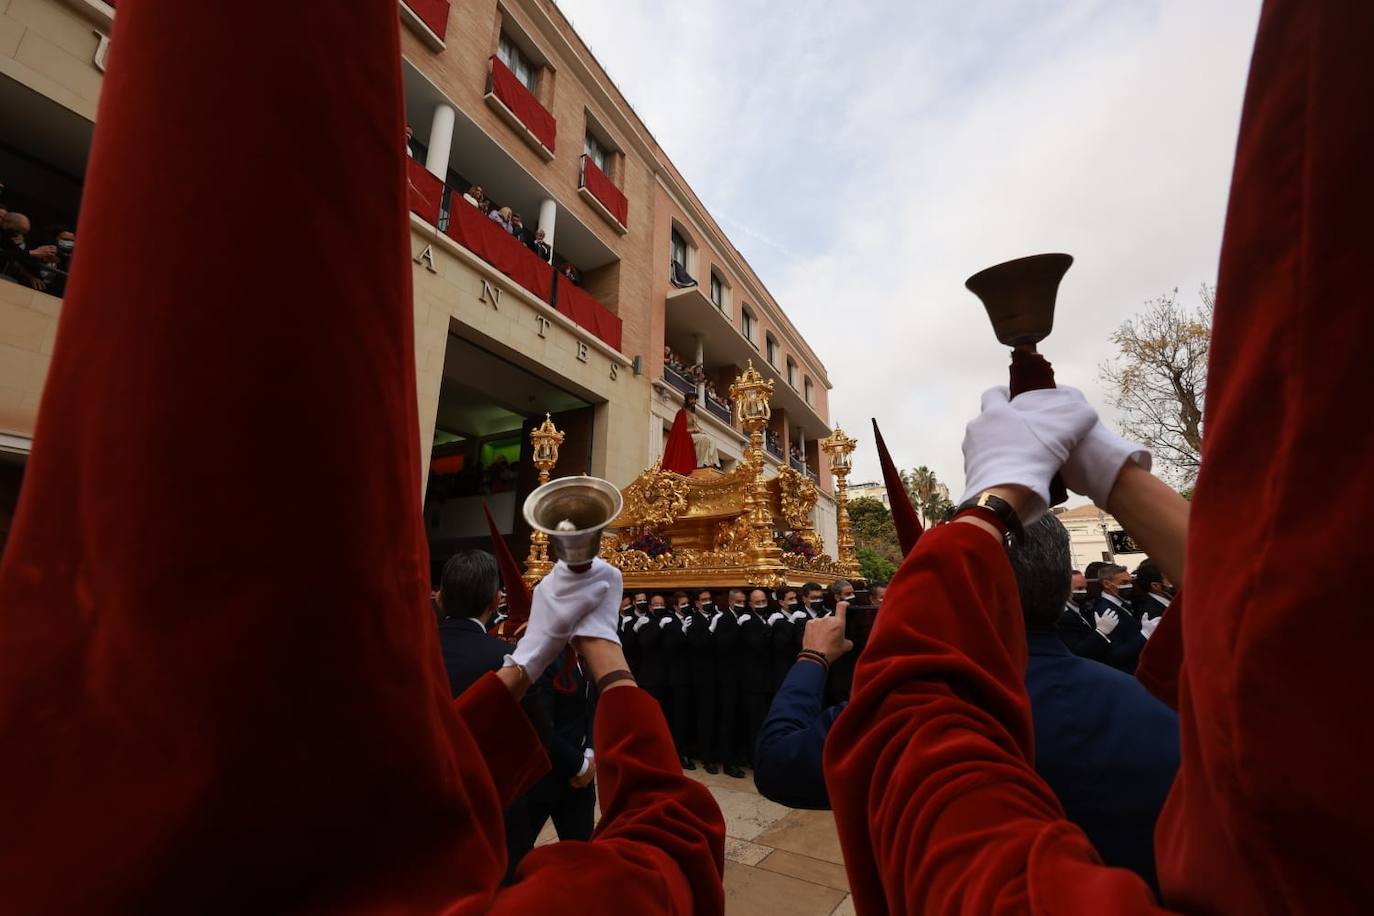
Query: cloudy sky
<point x="868" y="156"/>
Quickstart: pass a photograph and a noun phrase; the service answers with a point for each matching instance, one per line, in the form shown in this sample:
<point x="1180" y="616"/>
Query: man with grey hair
<point x="1107" y="748"/>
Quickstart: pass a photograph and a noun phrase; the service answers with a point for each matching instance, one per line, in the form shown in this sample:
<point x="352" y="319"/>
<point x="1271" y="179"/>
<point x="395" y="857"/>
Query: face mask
<point x="737" y="606"/>
<point x="641" y="604"/>
<point x="1169" y="591"/>
<point x="1126" y="592"/>
<point x="683" y="608"/>
<point x="759" y="607"/>
<point x="66" y="245"/>
<point x="1080" y="595"/>
<point x="791" y="604"/>
<point x="817" y="605"/>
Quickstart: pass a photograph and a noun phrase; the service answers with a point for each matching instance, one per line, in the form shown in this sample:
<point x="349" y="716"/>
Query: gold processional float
<point x="706" y="530"/>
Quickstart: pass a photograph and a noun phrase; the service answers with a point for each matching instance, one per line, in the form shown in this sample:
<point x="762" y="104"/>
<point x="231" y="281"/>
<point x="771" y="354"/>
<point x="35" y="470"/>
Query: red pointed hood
<point x="517" y="595"/>
<point x="904" y="516"/>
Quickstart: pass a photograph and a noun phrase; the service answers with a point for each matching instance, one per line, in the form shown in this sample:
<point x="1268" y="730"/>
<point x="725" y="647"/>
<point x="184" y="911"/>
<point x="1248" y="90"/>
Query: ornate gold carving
<point x="656" y="498"/>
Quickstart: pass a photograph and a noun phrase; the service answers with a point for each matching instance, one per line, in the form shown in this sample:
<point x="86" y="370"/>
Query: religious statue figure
<point x="708" y="456"/>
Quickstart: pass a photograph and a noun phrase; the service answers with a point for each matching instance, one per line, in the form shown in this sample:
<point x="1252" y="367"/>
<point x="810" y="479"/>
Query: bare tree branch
<point x="1159" y="379"/>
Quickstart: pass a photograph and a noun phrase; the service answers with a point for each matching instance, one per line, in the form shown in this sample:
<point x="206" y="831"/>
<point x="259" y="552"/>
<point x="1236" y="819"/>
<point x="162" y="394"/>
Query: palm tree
<point x="921" y="485"/>
<point x="929" y="497"/>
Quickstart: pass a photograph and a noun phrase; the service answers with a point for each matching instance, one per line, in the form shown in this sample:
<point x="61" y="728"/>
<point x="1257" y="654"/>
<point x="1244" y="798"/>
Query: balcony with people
<point x="42" y="174"/>
<point x="487" y="203"/>
<point x="714" y="333"/>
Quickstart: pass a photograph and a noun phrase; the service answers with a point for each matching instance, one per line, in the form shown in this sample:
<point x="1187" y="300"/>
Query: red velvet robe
<point x="220" y="684"/>
<point x="929" y="768"/>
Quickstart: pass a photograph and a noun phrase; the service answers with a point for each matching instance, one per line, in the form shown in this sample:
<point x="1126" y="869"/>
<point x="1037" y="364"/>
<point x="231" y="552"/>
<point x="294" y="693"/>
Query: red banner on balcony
<point x="522" y="103"/>
<point x="433" y="13"/>
<point x="587" y="313"/>
<point x="477" y="233"/>
<point x="601" y="187"/>
<point x="425" y="190"/>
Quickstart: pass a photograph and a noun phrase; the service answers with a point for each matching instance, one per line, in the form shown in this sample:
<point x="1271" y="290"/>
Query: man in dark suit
<point x="653" y="658"/>
<point x="678" y="676"/>
<point x="701" y="677"/>
<point x="567" y="793"/>
<point x="756" y="667"/>
<point x="1116" y="602"/>
<point x="1153" y="592"/>
<point x="724" y="627"/>
<point x="469" y="593"/>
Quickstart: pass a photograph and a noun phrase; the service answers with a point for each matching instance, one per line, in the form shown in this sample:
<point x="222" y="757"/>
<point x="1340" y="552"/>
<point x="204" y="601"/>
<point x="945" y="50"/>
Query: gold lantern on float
<point x="546" y="438"/>
<point x="840" y="449"/>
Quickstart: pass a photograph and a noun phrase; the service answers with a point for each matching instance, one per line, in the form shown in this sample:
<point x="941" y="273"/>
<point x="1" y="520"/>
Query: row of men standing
<point x="714" y="666"/>
<point x="1112" y="613"/>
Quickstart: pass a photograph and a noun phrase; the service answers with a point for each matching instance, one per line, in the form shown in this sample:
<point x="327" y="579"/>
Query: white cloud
<point x="868" y="157"/>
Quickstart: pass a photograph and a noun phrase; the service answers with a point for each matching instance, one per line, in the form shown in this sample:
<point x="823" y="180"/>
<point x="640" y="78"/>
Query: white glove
<point x="1024" y="442"/>
<point x="1106" y="622"/>
<point x="1147" y="626"/>
<point x="1095" y="462"/>
<point x="798" y="616"/>
<point x="775" y="617"/>
<point x="714" y="620"/>
<point x="640" y="622"/>
<point x="743" y="618"/>
<point x="566" y="604"/>
<point x="687" y="623"/>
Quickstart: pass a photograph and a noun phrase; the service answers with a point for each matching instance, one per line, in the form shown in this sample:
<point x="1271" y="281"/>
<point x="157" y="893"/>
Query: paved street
<point x="776" y="860"/>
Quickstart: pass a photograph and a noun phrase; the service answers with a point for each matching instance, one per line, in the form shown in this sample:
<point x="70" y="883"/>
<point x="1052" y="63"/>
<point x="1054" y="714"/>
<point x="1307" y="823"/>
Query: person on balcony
<point x="521" y="231"/>
<point x="503" y="219"/>
<point x="571" y="273"/>
<point x="410" y="134"/>
<point x="541" y="247"/>
<point x="474" y="196"/>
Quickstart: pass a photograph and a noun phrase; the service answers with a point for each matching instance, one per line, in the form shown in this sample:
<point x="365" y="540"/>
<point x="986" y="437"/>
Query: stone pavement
<point x="777" y="860"/>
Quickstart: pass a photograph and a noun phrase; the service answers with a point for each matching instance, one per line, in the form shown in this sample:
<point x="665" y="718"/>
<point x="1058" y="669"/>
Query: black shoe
<point x="710" y="768"/>
<point x="734" y="771"/>
<point x="686" y="762"/>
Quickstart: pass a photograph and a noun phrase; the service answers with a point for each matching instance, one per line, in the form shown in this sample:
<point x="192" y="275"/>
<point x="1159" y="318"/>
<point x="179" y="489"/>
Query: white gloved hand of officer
<point x="567" y="604"/>
<point x="1096" y="461"/>
<point x="1148" y="625"/>
<point x="1024" y="442"/>
<point x="1106" y="622"/>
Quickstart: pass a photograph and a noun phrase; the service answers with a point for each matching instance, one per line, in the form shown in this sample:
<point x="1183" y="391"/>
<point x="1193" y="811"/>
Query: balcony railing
<point x="603" y="195"/>
<point x="801" y="466"/>
<point x="678" y="380"/>
<point x="433" y="13"/>
<point x="467" y="226"/>
<point x="718" y="410"/>
<point x="520" y="103"/>
<point x="772" y="444"/>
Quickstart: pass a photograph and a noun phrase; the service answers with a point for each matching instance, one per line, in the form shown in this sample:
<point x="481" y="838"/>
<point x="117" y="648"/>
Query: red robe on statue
<point x="679" y="453"/>
<point x="220" y="683"/>
<point x="929" y="768"/>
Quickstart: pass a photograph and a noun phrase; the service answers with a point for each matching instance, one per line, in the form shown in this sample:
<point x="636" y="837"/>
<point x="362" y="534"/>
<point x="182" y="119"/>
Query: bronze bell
<point x="1019" y="296"/>
<point x="573" y="511"/>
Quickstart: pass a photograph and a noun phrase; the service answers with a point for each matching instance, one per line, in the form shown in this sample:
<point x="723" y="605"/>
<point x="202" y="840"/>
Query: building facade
<point x="1095" y="536"/>
<point x="638" y="300"/>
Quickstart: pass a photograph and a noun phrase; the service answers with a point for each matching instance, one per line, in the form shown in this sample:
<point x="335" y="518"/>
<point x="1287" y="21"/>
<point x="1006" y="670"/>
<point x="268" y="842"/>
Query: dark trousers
<point x="573" y="810"/>
<point x="519" y="837"/>
<point x="704" y="731"/>
<point x="728" y="723"/>
<point x="680" y="719"/>
<point x="756" y="706"/>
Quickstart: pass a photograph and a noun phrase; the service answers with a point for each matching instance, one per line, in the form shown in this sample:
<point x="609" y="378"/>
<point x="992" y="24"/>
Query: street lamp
<point x="840" y="449"/>
<point x="546" y="438"/>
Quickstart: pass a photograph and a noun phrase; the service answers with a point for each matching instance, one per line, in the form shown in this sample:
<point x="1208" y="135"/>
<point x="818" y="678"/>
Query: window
<point x="746" y="324"/>
<point x="772" y="350"/>
<point x="717" y="292"/>
<point x="517" y="62"/>
<point x="806" y="387"/>
<point x="677" y="250"/>
<point x="597" y="154"/>
<point x="791" y="372"/>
